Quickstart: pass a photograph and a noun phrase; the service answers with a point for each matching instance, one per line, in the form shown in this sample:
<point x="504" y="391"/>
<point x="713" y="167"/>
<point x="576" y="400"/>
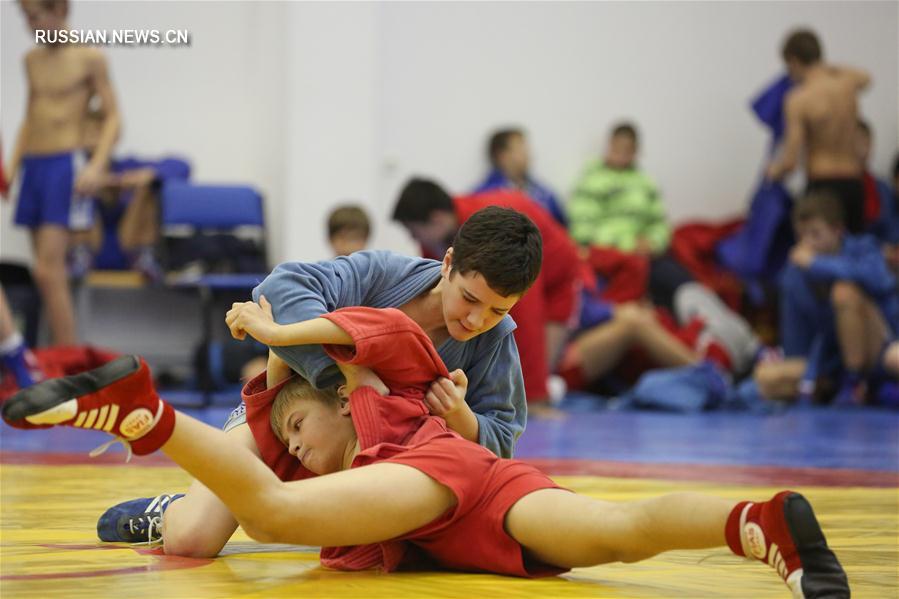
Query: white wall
<point x="320" y="102"/>
<point x="220" y="101"/>
<point x="684" y="71"/>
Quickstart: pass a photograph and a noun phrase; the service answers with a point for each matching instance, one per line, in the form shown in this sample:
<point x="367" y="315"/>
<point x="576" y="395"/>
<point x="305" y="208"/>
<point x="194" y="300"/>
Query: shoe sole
<point x="822" y="574"/>
<point x="50" y="393"/>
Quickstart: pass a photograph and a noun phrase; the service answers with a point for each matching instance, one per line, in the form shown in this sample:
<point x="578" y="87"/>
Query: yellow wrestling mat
<point x="48" y="548"/>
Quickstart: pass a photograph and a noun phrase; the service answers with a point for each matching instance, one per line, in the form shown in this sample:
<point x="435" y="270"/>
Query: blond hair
<point x="298" y="388"/>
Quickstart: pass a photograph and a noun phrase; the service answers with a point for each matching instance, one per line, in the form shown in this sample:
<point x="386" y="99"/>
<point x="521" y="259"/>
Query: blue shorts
<point x="47" y="193"/>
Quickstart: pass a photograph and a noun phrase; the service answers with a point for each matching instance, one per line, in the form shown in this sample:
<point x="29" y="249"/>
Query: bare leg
<point x="90" y="238"/>
<point x="556" y="334"/>
<point x="50" y="244"/>
<point x="780" y="380"/>
<point x="364" y="505"/>
<point x="891" y="359"/>
<point x="199" y="524"/>
<point x="569" y="531"/>
<point x="7" y="324"/>
<point x="602" y="347"/>
<point x="139" y="226"/>
<point x="860" y="326"/>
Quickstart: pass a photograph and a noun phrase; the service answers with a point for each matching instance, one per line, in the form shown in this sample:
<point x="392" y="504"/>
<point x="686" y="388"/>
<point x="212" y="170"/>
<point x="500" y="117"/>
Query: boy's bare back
<point x="827" y="108"/>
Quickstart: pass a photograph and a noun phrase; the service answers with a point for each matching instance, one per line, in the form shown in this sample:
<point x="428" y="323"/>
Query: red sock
<point x="715" y="352"/>
<point x="158" y="435"/>
<point x="570" y="369"/>
<point x="763" y="522"/>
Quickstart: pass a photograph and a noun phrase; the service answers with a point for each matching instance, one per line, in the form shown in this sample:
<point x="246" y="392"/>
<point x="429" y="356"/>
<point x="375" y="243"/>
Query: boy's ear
<point x="345" y="406"/>
<point x="342" y="392"/>
<point x="447" y="265"/>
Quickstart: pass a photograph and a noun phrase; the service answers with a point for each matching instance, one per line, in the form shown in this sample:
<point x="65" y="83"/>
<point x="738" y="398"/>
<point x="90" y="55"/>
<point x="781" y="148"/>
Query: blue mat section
<point x="857" y="439"/>
<point x="864" y="439"/>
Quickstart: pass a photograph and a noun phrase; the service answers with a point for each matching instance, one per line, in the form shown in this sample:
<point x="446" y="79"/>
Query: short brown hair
<point x="349" y="217"/>
<point x="297" y="388"/>
<point x="819" y="204"/>
<point x="503" y="245"/>
<point x="803" y="46"/>
<point x="499" y="141"/>
<point x="51" y="5"/>
<point x="627" y="130"/>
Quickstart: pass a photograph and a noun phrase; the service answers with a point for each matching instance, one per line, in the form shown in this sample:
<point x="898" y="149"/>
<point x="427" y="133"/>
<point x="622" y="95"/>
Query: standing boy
<point x="53" y="192"/>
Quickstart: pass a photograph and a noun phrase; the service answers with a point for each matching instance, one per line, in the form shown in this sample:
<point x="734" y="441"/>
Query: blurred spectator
<point x="615" y="205"/>
<point x="349" y="229"/>
<point x="820" y="116"/>
<point x="510" y="168"/>
<point x="544" y="312"/>
<point x="881" y="210"/>
<point x="839" y="302"/>
<point x="62" y="79"/>
<point x="126" y="233"/>
<point x="16" y="359"/>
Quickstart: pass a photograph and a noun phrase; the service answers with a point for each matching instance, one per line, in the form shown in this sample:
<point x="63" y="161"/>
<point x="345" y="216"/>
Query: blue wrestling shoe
<point x="135" y="521"/>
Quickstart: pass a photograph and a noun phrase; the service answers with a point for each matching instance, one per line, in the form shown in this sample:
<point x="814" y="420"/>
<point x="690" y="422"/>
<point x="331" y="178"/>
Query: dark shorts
<point x="46" y="193"/>
<point x="851" y="193"/>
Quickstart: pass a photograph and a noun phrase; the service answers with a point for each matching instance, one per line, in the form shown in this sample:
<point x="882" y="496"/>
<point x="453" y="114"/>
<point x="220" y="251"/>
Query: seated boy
<point x="348" y="229"/>
<point x="461" y="303"/>
<point x="397" y="485"/>
<point x="127" y="232"/>
<point x="839" y="304"/>
<point x="510" y="168"/>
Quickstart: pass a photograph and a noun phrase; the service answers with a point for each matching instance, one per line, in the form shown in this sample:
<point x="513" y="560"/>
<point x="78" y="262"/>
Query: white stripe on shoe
<point x="59" y="413"/>
<point x="794" y="582"/>
<point x="743" y="544"/>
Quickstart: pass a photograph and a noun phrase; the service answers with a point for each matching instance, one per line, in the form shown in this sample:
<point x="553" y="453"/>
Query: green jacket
<point x="615" y="208"/>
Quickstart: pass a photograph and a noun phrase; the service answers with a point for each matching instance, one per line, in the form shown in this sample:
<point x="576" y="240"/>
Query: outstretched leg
<point x="568" y="530"/>
<point x="365" y="505"/>
<point x="354" y="507"/>
<point x="579" y="531"/>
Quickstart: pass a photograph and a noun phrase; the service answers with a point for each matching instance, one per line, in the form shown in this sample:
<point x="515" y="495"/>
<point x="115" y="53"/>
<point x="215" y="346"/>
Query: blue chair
<point x="190" y="212"/>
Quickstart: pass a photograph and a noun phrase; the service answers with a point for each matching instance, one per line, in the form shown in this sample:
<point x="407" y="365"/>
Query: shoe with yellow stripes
<point x="784" y="533"/>
<point x="118" y="398"/>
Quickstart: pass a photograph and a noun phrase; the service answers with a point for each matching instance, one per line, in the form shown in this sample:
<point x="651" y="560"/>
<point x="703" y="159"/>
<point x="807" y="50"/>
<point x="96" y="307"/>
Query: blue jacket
<point x="760" y="248"/>
<point x="536" y="191"/>
<point x="768" y="106"/>
<point x="861" y="261"/>
<point x="300" y="291"/>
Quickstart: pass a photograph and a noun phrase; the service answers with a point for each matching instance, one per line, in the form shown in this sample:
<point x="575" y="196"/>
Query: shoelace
<point x="153" y="525"/>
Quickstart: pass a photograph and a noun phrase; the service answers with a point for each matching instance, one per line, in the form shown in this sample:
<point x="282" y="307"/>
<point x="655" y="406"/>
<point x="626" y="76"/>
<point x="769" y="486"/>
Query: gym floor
<point x="845" y="462"/>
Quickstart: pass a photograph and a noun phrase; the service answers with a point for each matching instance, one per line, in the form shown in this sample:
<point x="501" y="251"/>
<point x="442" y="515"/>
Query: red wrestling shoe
<point x="118" y="398"/>
<point x="785" y="534"/>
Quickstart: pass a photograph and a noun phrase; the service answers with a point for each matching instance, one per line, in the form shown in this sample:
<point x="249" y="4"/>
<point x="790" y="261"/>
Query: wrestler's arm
<point x="256" y="320"/>
<point x="794" y="140"/>
<point x="22" y="140"/>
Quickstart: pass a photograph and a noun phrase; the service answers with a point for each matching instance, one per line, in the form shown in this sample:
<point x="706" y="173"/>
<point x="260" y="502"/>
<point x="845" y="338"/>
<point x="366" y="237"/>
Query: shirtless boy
<point x="821" y="115"/>
<point x="62" y="79"/>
